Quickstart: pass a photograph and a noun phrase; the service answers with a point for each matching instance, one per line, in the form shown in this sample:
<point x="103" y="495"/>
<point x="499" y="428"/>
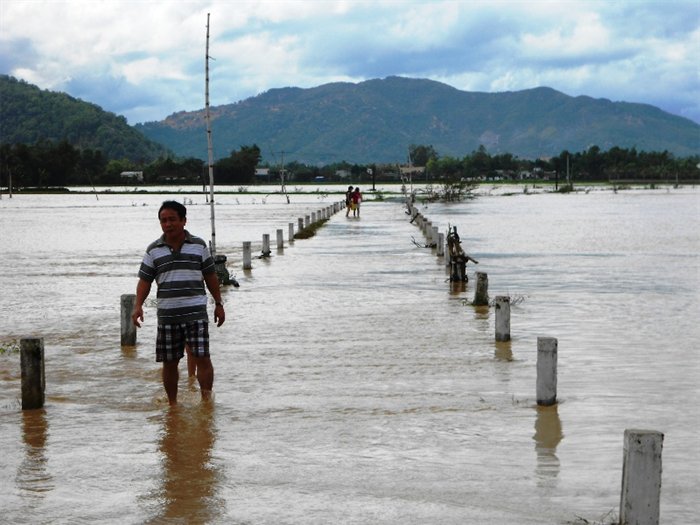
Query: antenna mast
<point x="209" y="144"/>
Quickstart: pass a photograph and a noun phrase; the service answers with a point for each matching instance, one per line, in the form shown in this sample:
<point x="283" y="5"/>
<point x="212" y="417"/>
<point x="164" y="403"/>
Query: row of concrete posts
<point x="641" y="466"/>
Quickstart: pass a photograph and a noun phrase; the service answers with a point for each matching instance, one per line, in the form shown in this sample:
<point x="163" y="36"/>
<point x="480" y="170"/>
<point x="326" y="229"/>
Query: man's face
<point x="171" y="223"/>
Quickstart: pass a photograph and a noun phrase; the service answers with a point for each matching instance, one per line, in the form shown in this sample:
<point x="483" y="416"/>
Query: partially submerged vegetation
<point x="10" y="346"/>
<point x="310" y="230"/>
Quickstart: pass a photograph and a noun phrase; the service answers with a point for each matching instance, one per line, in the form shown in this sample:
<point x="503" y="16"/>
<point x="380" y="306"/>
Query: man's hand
<point x="137" y="315"/>
<point x="219" y="314"/>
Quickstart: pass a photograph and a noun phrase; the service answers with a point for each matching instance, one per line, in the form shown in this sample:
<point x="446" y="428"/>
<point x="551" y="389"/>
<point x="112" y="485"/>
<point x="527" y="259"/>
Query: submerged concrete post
<point x="128" y="329"/>
<point x="641" y="477"/>
<point x="291" y="232"/>
<point x="502" y="318"/>
<point x="33" y="378"/>
<point x="481" y="296"/>
<point x="266" y="245"/>
<point x="546" y="371"/>
<point x="247" y="264"/>
<point x="280" y="240"/>
<point x="441" y="245"/>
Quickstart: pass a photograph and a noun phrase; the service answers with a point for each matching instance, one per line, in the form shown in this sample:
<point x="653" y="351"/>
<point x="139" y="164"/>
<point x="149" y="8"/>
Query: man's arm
<point x="212" y="282"/>
<point x="143" y="288"/>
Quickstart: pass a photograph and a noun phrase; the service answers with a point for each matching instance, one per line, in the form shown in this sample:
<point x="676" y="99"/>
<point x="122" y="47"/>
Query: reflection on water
<point x="503" y="352"/>
<point x="32" y="477"/>
<point x="548" y="435"/>
<point x="190" y="479"/>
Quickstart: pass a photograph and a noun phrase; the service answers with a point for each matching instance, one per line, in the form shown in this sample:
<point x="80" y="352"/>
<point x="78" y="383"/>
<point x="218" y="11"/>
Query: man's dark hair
<point x="173" y="205"/>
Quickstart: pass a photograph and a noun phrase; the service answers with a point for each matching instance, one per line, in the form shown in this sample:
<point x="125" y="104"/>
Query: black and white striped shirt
<point x="182" y="296"/>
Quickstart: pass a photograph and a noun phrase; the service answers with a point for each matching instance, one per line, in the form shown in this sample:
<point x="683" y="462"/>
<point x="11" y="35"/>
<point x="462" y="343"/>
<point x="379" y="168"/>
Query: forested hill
<point x="377" y="120"/>
<point x="29" y="115"/>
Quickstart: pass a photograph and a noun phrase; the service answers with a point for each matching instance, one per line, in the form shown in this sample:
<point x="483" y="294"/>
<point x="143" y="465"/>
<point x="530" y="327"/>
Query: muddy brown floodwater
<point x="354" y="384"/>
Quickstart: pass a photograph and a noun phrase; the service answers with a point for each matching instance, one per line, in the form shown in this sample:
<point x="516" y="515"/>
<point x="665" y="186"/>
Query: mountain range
<point x="29" y="115"/>
<point x="377" y="120"/>
<point x="366" y="122"/>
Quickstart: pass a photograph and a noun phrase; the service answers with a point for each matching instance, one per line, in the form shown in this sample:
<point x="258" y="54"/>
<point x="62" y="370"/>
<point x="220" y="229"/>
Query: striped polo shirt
<point x="179" y="275"/>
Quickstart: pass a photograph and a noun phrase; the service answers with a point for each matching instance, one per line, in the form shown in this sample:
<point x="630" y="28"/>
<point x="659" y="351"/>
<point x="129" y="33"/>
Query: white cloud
<point x="146" y="59"/>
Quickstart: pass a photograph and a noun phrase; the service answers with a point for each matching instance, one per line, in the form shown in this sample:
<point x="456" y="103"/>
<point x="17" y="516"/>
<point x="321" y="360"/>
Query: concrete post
<point x="301" y="224"/>
<point x="280" y="240"/>
<point x="291" y="232"/>
<point x="481" y="296"/>
<point x="33" y="378"/>
<point x="266" y="245"/>
<point x="307" y="221"/>
<point x="313" y="217"/>
<point x="128" y="329"/>
<point x="641" y="477"/>
<point x="441" y="245"/>
<point x="502" y="318"/>
<point x="247" y="264"/>
<point x="546" y="371"/>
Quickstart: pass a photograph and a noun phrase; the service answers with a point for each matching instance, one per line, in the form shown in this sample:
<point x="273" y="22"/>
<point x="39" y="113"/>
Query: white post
<point x="313" y="217"/>
<point x="502" y="318"/>
<point x="247" y="265"/>
<point x="301" y="224"/>
<point x="266" y="245"/>
<point x="641" y="477"/>
<point x="280" y="240"/>
<point x="481" y="296"/>
<point x="546" y="371"/>
<point x="307" y="221"/>
<point x="441" y="245"/>
<point x="291" y="232"/>
<point x="128" y="329"/>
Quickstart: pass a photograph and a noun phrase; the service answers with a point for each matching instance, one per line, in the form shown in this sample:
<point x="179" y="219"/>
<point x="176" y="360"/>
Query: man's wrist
<point x="219" y="303"/>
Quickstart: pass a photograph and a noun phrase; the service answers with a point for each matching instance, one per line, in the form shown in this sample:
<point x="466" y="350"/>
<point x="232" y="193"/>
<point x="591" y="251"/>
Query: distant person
<point x="356" y="200"/>
<point x="181" y="265"/>
<point x="348" y="201"/>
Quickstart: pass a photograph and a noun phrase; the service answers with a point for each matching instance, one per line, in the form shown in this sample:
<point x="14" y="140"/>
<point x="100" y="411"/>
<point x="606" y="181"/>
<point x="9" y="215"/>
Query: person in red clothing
<point x="356" y="200"/>
<point x="348" y="201"/>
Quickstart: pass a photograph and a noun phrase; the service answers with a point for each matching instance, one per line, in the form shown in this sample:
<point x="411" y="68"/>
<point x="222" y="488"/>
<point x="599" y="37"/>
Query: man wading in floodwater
<point x="180" y="264"/>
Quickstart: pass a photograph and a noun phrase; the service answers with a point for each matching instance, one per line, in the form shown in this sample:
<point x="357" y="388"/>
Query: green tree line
<point x="52" y="164"/>
<point x="59" y="164"/>
<point x="592" y="165"/>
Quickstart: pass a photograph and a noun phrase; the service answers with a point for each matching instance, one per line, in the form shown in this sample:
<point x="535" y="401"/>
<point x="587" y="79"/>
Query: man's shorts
<point x="171" y="339"/>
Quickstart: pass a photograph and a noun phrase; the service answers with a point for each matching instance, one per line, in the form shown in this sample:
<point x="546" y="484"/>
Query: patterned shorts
<point x="171" y="339"/>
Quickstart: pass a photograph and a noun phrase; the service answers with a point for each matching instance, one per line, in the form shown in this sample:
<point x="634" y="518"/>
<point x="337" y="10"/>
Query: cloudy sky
<point x="145" y="59"/>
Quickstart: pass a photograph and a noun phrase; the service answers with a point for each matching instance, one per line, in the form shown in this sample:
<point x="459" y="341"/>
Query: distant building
<point x="132" y="175"/>
<point x="411" y="171"/>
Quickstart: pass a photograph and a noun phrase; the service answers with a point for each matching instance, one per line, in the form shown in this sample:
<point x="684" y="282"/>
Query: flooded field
<point x="354" y="383"/>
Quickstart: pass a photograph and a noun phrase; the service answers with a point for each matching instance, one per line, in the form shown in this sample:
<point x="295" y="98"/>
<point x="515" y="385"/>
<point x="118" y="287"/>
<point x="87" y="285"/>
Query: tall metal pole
<point x="209" y="145"/>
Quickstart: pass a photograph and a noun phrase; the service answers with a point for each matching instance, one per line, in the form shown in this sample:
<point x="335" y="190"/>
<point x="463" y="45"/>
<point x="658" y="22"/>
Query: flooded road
<point x="354" y="383"/>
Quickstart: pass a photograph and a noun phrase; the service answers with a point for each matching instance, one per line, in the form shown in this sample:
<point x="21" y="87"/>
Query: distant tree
<point x="420" y="155"/>
<point x="239" y="167"/>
